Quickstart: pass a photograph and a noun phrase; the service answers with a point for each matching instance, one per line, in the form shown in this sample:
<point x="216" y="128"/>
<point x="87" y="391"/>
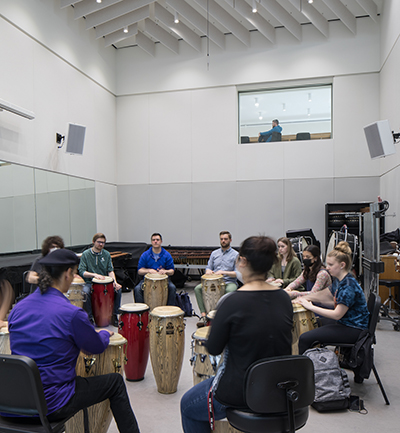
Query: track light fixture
<point x="254" y="10"/>
<point x="176" y="18"/>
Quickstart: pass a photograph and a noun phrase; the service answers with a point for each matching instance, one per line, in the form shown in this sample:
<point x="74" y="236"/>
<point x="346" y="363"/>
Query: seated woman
<point x="252" y="323"/>
<point x="350" y="311"/>
<point x="62" y="330"/>
<point x="288" y="267"/>
<point x="315" y="277"/>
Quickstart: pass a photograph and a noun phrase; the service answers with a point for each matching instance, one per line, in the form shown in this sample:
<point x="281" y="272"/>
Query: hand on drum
<point x="162" y="271"/>
<point x="99" y="277"/>
<point x="220" y="272"/>
<point x="110" y="332"/>
<point x="304" y="302"/>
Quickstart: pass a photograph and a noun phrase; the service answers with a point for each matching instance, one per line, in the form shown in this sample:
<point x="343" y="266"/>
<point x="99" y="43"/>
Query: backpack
<point x="332" y="389"/>
<point x="182" y="301"/>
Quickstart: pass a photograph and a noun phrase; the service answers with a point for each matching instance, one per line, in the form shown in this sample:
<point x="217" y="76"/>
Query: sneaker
<point x="202" y="322"/>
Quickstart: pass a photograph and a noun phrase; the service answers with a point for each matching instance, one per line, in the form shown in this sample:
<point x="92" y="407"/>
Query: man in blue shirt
<point x="156" y="260"/>
<point x="275" y="128"/>
<point x="221" y="262"/>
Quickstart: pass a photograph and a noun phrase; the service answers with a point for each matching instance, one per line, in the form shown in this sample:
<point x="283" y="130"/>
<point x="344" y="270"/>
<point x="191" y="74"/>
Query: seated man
<point x="62" y="330"/>
<point x="267" y="135"/>
<point x="221" y="262"/>
<point x="156" y="260"/>
<point x="96" y="263"/>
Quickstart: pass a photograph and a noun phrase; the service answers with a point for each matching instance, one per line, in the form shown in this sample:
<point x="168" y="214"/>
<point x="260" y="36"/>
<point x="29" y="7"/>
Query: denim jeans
<point x="171" y="293"/>
<point x="194" y="408"/>
<point x="93" y="390"/>
<point x="87" y="305"/>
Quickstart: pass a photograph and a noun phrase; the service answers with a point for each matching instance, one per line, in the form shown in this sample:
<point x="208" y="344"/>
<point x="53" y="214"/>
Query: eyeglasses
<point x="100" y="242"/>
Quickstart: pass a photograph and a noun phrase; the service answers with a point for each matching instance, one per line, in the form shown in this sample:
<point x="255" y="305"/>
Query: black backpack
<point x="332" y="389"/>
<point x="182" y="301"/>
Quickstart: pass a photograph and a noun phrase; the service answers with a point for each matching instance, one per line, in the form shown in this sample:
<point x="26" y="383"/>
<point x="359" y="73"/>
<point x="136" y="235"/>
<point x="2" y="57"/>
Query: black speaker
<point x="379" y="139"/>
<point x="76" y="139"/>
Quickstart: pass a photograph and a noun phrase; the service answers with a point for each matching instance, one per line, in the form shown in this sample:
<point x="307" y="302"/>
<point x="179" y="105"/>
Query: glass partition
<point x="37" y="203"/>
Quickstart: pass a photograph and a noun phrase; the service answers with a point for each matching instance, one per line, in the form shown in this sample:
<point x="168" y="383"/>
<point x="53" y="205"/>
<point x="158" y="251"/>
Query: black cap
<point x="59" y="258"/>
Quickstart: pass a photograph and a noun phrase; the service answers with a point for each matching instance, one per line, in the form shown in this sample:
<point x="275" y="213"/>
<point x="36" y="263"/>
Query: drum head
<point x="156" y="276"/>
<point x="201" y="333"/>
<point x="117" y="340"/>
<point x="4" y="330"/>
<point x="211" y="277"/>
<point x="211" y="314"/>
<point x="134" y="307"/>
<point x="78" y="280"/>
<point x="106" y="280"/>
<point x="166" y="311"/>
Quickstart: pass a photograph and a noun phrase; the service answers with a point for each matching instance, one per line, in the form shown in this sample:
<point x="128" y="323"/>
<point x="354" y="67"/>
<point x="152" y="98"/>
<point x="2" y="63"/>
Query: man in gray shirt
<point x="221" y="262"/>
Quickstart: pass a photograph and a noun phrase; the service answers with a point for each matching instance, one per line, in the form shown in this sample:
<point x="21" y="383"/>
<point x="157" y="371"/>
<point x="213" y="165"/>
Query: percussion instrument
<point x="133" y="325"/>
<point x="110" y="361"/>
<point x="213" y="288"/>
<point x="204" y="364"/>
<point x="299" y="244"/>
<point x="5" y="341"/>
<point x="336" y="237"/>
<point x="102" y="300"/>
<point x="155" y="290"/>
<point x="303" y="320"/>
<point x="210" y="317"/>
<point x="167" y="343"/>
<point x="75" y="292"/>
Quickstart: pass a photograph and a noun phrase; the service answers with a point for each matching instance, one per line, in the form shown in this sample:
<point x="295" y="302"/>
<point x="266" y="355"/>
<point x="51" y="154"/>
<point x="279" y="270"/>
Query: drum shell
<point x="133" y="325"/>
<point x="5" y="341"/>
<point x="155" y="290"/>
<point x="102" y="302"/>
<point x="213" y="288"/>
<point x="204" y="365"/>
<point x="303" y="321"/>
<point x="75" y="293"/>
<point x="100" y="414"/>
<point x="167" y="343"/>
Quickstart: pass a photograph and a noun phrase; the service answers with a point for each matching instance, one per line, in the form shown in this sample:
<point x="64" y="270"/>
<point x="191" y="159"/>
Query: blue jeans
<point x="171" y="293"/>
<point x="87" y="305"/>
<point x="194" y="408"/>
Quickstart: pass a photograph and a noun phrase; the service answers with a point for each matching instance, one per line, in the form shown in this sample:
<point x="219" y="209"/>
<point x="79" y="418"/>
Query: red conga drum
<point x="102" y="300"/>
<point x="132" y="325"/>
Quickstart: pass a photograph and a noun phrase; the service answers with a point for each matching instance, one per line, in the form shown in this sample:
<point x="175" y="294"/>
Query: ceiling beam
<point x="262" y="25"/>
<point x="87" y="7"/>
<point x="196" y="19"/>
<point x="159" y="33"/>
<point x="284" y="17"/>
<point x="180" y="29"/>
<point x="66" y="3"/>
<point x="347" y="18"/>
<point x="121" y="22"/>
<point x="318" y="20"/>
<point x="119" y="35"/>
<point x="117" y="10"/>
<point x="226" y="20"/>
<point x="370" y="7"/>
<point x="145" y="44"/>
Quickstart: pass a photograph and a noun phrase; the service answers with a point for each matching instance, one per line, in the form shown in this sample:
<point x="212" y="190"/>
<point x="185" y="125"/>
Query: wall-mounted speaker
<point x="379" y="139"/>
<point x="76" y="139"/>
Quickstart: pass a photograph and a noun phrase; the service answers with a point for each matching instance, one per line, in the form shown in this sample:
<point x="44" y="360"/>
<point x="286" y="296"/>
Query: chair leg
<point x="380" y="384"/>
<point x="86" y="420"/>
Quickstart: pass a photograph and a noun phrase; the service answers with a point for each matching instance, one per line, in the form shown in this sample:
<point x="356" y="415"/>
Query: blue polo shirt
<point x="150" y="261"/>
<point x="223" y="261"/>
<point x="52" y="331"/>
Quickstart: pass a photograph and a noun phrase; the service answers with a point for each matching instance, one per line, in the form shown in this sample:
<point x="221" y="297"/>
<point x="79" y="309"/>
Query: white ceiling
<point x="149" y="22"/>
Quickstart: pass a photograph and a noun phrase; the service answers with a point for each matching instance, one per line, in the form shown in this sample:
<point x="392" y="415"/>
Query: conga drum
<point x="213" y="288"/>
<point x="303" y="320"/>
<point x="5" y="341"/>
<point x="204" y="364"/>
<point x="167" y="343"/>
<point x="155" y="290"/>
<point x="110" y="361"/>
<point x="102" y="300"/>
<point x="75" y="292"/>
<point x="133" y="325"/>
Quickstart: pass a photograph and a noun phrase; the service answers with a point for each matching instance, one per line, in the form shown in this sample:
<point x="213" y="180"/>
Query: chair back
<point x="374" y="306"/>
<point x="276" y="136"/>
<point x="21" y="387"/>
<point x="269" y="380"/>
<point x="303" y="136"/>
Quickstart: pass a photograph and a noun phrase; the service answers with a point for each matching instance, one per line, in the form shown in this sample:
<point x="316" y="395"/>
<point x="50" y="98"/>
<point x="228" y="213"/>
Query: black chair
<point x="278" y="392"/>
<point x="369" y="339"/>
<point x="276" y="136"/>
<point x="22" y="394"/>
<point x="303" y="136"/>
<point x="244" y="139"/>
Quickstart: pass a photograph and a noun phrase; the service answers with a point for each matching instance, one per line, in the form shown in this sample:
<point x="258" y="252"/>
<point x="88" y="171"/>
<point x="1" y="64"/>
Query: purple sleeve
<point x="85" y="336"/>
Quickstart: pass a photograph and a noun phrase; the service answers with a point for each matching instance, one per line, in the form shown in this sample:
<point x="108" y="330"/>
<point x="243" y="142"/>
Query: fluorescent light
<point x="7" y="106"/>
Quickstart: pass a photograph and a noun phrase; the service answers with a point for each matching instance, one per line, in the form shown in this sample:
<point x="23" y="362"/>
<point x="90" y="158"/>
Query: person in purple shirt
<point x="46" y="327"/>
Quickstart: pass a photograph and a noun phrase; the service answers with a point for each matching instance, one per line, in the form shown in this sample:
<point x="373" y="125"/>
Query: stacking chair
<point x="278" y="392"/>
<point x="22" y="394"/>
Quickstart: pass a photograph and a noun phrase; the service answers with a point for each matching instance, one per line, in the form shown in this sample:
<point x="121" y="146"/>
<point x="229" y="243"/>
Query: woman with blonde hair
<point x="288" y="267"/>
<point x="350" y="306"/>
